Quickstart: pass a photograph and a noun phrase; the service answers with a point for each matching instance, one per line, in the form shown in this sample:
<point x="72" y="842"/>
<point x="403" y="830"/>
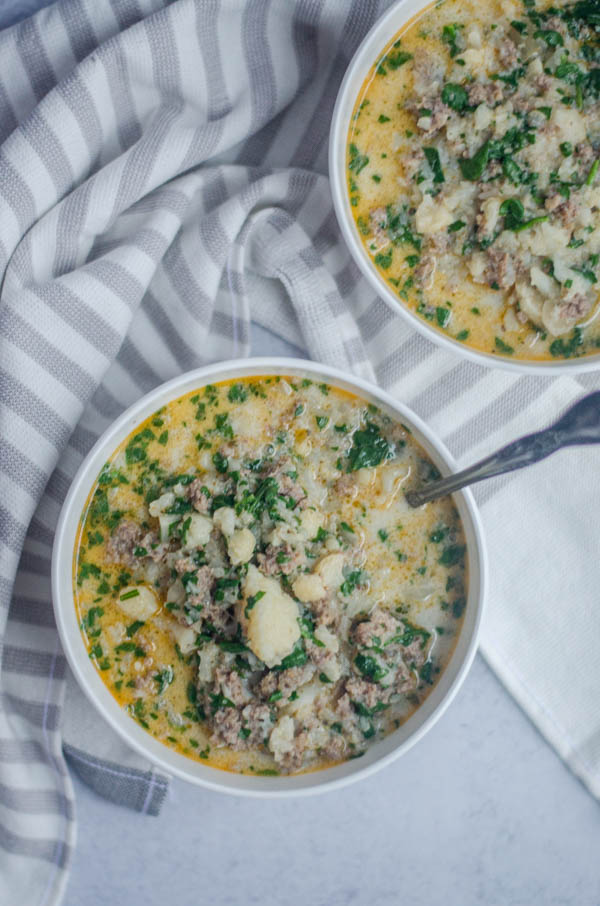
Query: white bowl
<point x="371" y="48"/>
<point x="380" y="753"/>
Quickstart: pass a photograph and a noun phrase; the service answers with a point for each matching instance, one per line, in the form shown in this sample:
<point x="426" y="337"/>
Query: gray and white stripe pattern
<point x="162" y="183"/>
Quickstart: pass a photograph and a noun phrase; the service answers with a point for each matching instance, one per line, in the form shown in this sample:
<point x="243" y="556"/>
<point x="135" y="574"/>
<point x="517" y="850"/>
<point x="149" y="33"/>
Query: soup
<point x="252" y="586"/>
<point x="472" y="160"/>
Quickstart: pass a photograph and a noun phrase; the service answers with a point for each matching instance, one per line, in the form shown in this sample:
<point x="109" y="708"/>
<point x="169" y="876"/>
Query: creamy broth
<point x="473" y="174"/>
<point x="251" y="584"/>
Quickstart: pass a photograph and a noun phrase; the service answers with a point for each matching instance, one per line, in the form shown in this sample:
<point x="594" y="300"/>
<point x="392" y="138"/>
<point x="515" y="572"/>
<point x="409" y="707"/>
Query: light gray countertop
<point x="481" y="811"/>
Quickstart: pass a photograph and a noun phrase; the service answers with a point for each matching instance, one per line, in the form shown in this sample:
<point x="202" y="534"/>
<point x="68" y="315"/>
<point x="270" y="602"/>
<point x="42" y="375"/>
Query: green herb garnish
<point x="433" y="159"/>
<point x="370" y="667"/>
<point x="368" y="449"/>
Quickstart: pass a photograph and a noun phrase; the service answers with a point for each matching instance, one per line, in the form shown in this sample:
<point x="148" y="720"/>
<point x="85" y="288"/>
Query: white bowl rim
<point x="143" y="742"/>
<point x="367" y="52"/>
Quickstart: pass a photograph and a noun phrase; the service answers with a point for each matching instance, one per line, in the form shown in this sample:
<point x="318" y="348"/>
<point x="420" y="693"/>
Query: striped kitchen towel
<point x="163" y="182"/>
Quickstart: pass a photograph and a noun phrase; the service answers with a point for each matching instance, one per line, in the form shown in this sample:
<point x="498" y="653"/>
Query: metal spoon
<point x="579" y="425"/>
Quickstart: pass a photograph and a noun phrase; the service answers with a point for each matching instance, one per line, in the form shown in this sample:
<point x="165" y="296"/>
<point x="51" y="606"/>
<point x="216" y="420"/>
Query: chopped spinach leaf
<point x="370" y="667"/>
<point x="455" y="96"/>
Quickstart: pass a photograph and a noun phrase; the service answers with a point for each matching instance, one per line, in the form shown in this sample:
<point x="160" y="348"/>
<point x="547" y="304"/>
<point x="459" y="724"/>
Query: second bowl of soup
<point x="464" y="163"/>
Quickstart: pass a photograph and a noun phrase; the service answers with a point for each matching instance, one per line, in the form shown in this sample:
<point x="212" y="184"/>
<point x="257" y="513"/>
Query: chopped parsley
<point x="432" y="156"/>
<point x="352" y="581"/>
<point x="297" y="658"/>
<point x="368" y="449"/>
<point x="450" y="36"/>
<point x="164" y="678"/>
<point x="251" y="601"/>
<point x="358" y="161"/>
<point x="237" y="394"/>
<point x="443" y="316"/>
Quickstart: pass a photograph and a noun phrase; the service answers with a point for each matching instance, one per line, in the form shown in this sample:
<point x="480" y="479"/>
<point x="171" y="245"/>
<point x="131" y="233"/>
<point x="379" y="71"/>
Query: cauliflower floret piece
<point x="161" y="503"/>
<point x="310" y="522"/>
<point x="510" y="9"/>
<point x="198" y="532"/>
<point x="365" y="476"/>
<point x="176" y="593"/>
<point x="571" y="124"/>
<point x="304" y="706"/>
<point x="535" y="68"/>
<point x="432" y="216"/>
<point x="116" y="633"/>
<point x="546" y="285"/>
<point x="510" y="320"/>
<point x="224" y="519"/>
<point x="474" y="36"/>
<point x="478" y="59"/>
<point x="185" y="637"/>
<point x="559" y="317"/>
<point x="332" y="669"/>
<point x="138" y="601"/>
<point x="208" y="658"/>
<point x="318" y="737"/>
<point x="309" y="587"/>
<point x="477" y="265"/>
<point x="240" y="546"/>
<point x="329" y="569"/>
<point x="331" y="641"/>
<point x="165" y="521"/>
<point x="483" y="117"/>
<point x="271" y="624"/>
<point x="503" y="119"/>
<point x="490" y="210"/>
<point x="530" y="301"/>
<point x="461" y="196"/>
<point x="546" y="239"/>
<point x="281" y="740"/>
<point x="304" y="446"/>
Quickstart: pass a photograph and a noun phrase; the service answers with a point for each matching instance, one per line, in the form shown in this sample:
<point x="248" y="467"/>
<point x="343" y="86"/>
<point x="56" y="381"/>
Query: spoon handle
<point x="579" y="425"/>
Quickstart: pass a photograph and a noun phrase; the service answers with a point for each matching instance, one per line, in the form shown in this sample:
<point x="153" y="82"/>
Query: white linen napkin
<point x="162" y="182"/>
